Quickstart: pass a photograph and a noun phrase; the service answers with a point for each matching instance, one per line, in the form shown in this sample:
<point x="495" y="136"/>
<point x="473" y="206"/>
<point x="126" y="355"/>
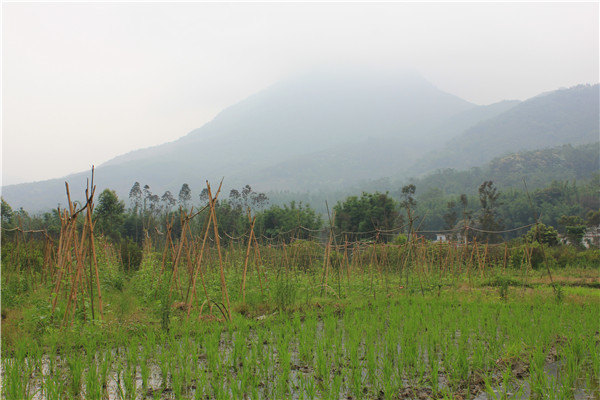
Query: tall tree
<point x="185" y="196"/>
<point x="204" y="196"/>
<point x="109" y="214"/>
<point x="466" y="216"/>
<point x="7" y="215"/>
<point x="409" y="203"/>
<point x="574" y="228"/>
<point x="451" y="216"/>
<point x="362" y="216"/>
<point x="168" y="201"/>
<point x="135" y="196"/>
<point x="146" y="194"/>
<point x="488" y="218"/>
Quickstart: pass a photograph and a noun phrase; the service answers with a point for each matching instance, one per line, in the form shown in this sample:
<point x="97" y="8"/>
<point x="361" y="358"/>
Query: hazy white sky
<point x="83" y="83"/>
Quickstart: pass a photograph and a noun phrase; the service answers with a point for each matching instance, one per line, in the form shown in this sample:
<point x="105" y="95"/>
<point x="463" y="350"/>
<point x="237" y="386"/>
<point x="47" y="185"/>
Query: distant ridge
<point x="331" y="129"/>
<point x="565" y="116"/>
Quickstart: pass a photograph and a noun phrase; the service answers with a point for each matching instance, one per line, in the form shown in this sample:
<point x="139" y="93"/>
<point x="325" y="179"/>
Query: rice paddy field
<point x="300" y="320"/>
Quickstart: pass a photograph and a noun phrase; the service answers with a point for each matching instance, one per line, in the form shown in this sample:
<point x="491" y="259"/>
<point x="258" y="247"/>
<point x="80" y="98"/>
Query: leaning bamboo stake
<point x="79" y="276"/>
<point x="505" y="256"/>
<point x="199" y="269"/>
<point x="346" y="261"/>
<point x="285" y="258"/>
<point x="485" y="260"/>
<point x="325" y="266"/>
<point x="469" y="264"/>
<point x="72" y="245"/>
<point x="168" y="245"/>
<point x="65" y="249"/>
<point x="258" y="257"/>
<point x="182" y="240"/>
<point x="93" y="248"/>
<point x="246" y="259"/>
<point x="71" y="225"/>
<point x="78" y="247"/>
<point x="217" y="240"/>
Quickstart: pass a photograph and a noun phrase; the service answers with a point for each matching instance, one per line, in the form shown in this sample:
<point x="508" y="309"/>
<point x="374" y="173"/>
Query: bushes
<point x="543" y="234"/>
<point x="29" y="255"/>
<point x="131" y="255"/>
<point x="589" y="258"/>
<point x="400" y="240"/>
<point x="305" y="252"/>
<point x="569" y="256"/>
<point x="12" y="288"/>
<point x="145" y="279"/>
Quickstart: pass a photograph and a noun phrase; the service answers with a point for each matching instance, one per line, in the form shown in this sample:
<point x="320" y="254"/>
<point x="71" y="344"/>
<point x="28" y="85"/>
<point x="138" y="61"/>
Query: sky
<point x="83" y="83"/>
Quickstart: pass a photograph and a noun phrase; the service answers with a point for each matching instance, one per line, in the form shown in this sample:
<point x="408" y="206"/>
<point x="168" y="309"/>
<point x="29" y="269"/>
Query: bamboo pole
<point x="217" y="240"/>
<point x="246" y="259"/>
<point x="199" y="268"/>
<point x="93" y="249"/>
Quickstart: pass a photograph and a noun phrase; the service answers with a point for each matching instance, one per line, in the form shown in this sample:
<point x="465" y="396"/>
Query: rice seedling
<point x="15" y="381"/>
<point x="93" y="387"/>
<point x="75" y="364"/>
<point x="449" y="322"/>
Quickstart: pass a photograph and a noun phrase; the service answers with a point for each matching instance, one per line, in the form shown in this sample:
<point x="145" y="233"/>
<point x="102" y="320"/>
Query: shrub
<point x="131" y="255"/>
<point x="305" y="252"/>
<point x="400" y="239"/>
<point x="542" y="234"/>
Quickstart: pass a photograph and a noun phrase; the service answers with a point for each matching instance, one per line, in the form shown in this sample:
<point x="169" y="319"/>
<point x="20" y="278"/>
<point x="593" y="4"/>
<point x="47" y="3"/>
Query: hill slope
<point x="551" y="119"/>
<point x="290" y="119"/>
<point x="330" y="130"/>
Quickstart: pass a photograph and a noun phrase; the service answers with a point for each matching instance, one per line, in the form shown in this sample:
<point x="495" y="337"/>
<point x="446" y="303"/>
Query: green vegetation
<point x="234" y="299"/>
<point x="361" y="217"/>
<point x="377" y="126"/>
<point x="366" y="320"/>
<point x="550" y="119"/>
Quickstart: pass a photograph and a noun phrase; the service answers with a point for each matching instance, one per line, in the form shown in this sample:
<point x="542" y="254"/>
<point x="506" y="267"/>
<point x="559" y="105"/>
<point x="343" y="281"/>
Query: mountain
<point x="538" y="167"/>
<point x="328" y="130"/>
<point x="307" y="114"/>
<point x="303" y="115"/>
<point x="566" y="116"/>
<point x="372" y="158"/>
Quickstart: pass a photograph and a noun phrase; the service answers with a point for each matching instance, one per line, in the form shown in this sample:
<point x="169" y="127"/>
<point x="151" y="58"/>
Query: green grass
<point x="381" y="332"/>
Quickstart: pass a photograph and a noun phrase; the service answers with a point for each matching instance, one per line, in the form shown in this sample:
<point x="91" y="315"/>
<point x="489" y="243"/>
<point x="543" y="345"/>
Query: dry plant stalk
<point x="246" y="258"/>
<point x="70" y="242"/>
<point x="199" y="269"/>
<point x="217" y="240"/>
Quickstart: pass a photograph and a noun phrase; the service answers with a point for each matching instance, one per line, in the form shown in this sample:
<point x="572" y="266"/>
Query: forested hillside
<point x="566" y="116"/>
<point x="328" y="133"/>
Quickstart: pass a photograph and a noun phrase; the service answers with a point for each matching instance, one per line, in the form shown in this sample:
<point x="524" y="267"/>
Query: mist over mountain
<point x="329" y="129"/>
<point x="565" y="116"/>
<point x="372" y="158"/>
<point x="303" y="115"/>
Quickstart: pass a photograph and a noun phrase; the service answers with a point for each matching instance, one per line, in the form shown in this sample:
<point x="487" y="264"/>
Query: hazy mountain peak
<point x="330" y="128"/>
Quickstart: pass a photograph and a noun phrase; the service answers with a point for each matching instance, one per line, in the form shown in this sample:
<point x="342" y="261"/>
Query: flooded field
<point x="403" y="346"/>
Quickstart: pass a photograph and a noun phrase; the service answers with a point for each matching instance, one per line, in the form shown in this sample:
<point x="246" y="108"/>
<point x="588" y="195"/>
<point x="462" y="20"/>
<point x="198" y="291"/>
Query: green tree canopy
<point x="7" y="215"/>
<point x="367" y="213"/>
<point x="109" y="214"/>
<point x="542" y="234"/>
<point x="488" y="218"/>
<point x="286" y="221"/>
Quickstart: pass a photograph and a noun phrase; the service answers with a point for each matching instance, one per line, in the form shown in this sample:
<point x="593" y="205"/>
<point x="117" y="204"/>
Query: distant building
<point x="441" y="237"/>
<point x="591" y="238"/>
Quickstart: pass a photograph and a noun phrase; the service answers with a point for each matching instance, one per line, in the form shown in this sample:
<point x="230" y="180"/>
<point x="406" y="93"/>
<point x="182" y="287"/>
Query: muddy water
<point x="521" y="389"/>
<point x="160" y="387"/>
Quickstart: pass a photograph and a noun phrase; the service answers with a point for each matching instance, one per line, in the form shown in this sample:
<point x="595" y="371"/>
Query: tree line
<point x="567" y="207"/>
